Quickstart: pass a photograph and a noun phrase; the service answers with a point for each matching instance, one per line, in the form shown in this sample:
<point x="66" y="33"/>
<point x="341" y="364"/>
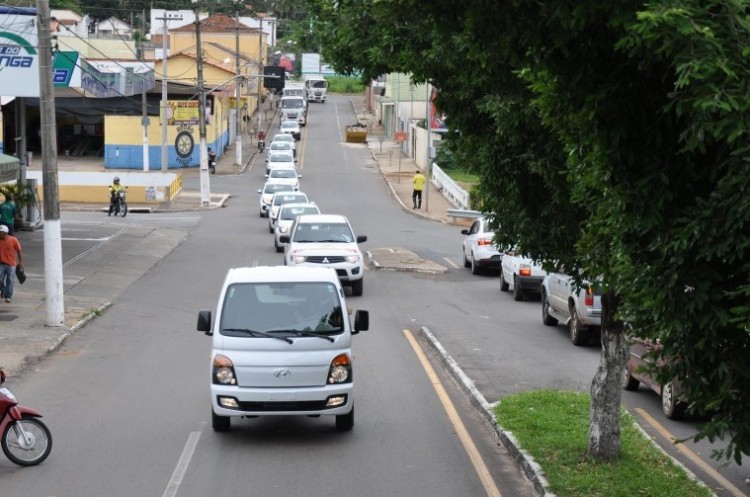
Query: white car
<point x="282" y="146"/>
<point x="580" y="310"/>
<point x="266" y="194"/>
<point x="326" y="240"/>
<point x="280" y="199"/>
<point x="285" y="175"/>
<point x="285" y="137"/>
<point x="285" y="218"/>
<point x="280" y="159"/>
<point x="479" y="251"/>
<point x="291" y="128"/>
<point x="523" y="273"/>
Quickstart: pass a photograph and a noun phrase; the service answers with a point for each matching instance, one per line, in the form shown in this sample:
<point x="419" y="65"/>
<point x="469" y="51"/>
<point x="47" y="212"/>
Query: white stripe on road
<point x="95" y="247"/>
<point x="182" y="465"/>
<point x="451" y="263"/>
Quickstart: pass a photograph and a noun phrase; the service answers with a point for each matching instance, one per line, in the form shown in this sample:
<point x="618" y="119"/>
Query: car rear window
<point x="292" y="212"/>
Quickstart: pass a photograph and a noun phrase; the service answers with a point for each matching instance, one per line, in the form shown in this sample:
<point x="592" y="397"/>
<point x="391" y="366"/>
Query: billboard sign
<point x="19" y="58"/>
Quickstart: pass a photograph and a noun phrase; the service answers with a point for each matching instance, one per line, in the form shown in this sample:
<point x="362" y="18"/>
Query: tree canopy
<point x="611" y="138"/>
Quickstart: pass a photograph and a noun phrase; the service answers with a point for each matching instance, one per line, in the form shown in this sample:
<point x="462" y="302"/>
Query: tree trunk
<point x="606" y="393"/>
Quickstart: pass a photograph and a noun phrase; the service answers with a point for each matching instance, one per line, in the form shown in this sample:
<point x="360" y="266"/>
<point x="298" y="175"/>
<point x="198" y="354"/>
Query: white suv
<point x="326" y="240"/>
<point x="523" y="273"/>
<point x="580" y="310"/>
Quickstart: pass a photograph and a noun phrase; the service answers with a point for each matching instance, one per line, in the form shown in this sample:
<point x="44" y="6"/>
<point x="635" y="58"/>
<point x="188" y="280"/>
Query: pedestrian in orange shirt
<point x="9" y="248"/>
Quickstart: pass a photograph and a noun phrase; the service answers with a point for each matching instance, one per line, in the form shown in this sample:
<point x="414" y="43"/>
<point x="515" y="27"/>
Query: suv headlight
<point x="298" y="259"/>
<point x="283" y="229"/>
<point x="352" y="259"/>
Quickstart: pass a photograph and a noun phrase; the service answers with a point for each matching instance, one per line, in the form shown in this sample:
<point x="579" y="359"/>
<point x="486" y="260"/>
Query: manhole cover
<point x="7" y="317"/>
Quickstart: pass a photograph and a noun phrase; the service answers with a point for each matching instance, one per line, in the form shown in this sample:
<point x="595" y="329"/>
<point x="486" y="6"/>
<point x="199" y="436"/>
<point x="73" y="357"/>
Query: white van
<point x="294" y="109"/>
<point x="281" y="345"/>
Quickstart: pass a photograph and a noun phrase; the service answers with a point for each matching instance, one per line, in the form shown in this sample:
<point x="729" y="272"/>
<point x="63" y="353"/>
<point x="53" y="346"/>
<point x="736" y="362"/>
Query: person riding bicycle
<point x="114" y="190"/>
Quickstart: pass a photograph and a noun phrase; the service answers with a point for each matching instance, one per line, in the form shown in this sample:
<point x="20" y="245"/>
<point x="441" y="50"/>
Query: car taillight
<point x="484" y="241"/>
<point x="588" y="300"/>
<point x="524" y="270"/>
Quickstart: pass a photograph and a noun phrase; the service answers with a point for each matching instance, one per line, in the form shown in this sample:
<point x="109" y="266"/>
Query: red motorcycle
<point x="25" y="439"/>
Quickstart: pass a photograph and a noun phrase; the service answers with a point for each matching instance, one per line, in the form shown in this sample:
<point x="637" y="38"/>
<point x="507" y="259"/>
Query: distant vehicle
<point x="285" y="175"/>
<point x="294" y="109"/>
<point x="580" y="311"/>
<point x="479" y="251"/>
<point x="279" y="146"/>
<point x="285" y="218"/>
<point x="673" y="402"/>
<point x="295" y="90"/>
<point x="266" y="194"/>
<point x="292" y="128"/>
<point x="326" y="240"/>
<point x="280" y="199"/>
<point x="279" y="159"/>
<point x="524" y="274"/>
<point x="285" y="137"/>
<point x="316" y="87"/>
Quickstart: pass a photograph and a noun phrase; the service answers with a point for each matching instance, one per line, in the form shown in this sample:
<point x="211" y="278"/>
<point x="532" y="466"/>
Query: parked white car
<point x="522" y="273"/>
<point x="282" y="146"/>
<point x="479" y="251"/>
<point x="326" y="240"/>
<point x="285" y="175"/>
<point x="285" y="218"/>
<point x="266" y="194"/>
<point x="280" y="199"/>
<point x="579" y="310"/>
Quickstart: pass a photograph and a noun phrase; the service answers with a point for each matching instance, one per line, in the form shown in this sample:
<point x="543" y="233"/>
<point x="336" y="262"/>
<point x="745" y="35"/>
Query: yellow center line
<point x="301" y="154"/>
<point x="695" y="458"/>
<point x="471" y="449"/>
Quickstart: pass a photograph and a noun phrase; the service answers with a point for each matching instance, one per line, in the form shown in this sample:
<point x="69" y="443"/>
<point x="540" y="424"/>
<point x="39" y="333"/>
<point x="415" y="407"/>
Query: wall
<point x="123" y="140"/>
<point x="143" y="188"/>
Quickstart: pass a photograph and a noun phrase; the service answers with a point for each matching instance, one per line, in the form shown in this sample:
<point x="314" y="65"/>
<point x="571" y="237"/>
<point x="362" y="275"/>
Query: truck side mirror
<point x="204" y="322"/>
<point x="361" y="321"/>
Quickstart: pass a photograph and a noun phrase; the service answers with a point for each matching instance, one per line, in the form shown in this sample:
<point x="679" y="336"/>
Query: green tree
<point x="629" y="120"/>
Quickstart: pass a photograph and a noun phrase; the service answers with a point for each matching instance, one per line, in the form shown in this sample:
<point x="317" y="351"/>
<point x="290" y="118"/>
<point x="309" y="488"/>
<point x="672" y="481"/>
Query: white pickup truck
<point x="522" y="273"/>
<point x="580" y="310"/>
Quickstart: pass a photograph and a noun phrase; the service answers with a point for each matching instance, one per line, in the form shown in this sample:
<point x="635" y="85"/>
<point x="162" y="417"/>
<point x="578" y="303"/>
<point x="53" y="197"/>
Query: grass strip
<point x="552" y="426"/>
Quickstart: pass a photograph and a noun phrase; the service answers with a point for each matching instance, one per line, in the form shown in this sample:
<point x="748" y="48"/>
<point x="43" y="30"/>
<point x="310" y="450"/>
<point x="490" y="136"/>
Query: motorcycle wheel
<point x="124" y="209"/>
<point x="31" y="451"/>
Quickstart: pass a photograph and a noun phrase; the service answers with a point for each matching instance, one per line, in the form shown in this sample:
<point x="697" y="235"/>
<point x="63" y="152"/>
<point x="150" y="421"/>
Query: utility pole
<point x="164" y="157"/>
<point x="260" y="69"/>
<point x="53" y="274"/>
<point x="237" y="95"/>
<point x="144" y="97"/>
<point x="205" y="186"/>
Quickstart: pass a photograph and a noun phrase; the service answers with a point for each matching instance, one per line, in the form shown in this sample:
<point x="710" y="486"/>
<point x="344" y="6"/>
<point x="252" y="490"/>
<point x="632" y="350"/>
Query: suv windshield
<point x="323" y="232"/>
<point x="280" y="158"/>
<point x="283" y="173"/>
<point x="288" y="199"/>
<point x="291" y="213"/>
<point x="278" y="187"/>
<point x="256" y="310"/>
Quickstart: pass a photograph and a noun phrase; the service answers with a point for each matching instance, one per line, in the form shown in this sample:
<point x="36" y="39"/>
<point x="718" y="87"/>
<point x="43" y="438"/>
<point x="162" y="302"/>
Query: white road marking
<point x="94" y="248"/>
<point x="182" y="465"/>
<point x="451" y="263"/>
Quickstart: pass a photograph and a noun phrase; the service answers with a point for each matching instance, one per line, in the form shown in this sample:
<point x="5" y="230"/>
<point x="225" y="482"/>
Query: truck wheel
<point x="345" y="422"/>
<point x="220" y="423"/>
<point x="578" y="333"/>
<point x="546" y="318"/>
<point x="504" y="286"/>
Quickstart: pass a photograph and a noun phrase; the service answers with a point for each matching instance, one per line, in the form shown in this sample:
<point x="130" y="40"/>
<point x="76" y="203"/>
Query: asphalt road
<point x="127" y="396"/>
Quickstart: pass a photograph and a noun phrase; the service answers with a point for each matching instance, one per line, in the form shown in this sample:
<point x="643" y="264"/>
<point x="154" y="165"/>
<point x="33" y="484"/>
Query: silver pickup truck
<point x="580" y="310"/>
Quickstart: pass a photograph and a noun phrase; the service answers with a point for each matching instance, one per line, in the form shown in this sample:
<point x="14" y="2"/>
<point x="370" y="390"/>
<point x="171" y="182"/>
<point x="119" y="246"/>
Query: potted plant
<point x="22" y="196"/>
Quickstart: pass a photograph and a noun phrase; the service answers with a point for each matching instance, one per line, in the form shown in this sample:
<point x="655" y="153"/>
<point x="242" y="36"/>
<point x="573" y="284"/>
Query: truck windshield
<point x="294" y="103"/>
<point x="319" y="84"/>
<point x="281" y="308"/>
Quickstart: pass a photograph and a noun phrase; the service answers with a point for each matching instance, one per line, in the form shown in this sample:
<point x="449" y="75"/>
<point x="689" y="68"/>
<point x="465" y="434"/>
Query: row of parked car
<point x="305" y="235"/>
<point x="564" y="303"/>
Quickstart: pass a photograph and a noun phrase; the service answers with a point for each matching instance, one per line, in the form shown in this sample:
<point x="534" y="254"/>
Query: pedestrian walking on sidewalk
<point x="418" y="182"/>
<point x="9" y="248"/>
<point x="8" y="214"/>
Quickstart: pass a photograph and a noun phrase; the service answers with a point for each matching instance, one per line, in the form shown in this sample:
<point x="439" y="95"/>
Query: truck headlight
<point x="340" y="370"/>
<point x="223" y="371"/>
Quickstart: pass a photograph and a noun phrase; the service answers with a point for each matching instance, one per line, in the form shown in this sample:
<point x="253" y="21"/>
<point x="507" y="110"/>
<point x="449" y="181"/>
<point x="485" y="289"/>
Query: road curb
<point x="526" y="463"/>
